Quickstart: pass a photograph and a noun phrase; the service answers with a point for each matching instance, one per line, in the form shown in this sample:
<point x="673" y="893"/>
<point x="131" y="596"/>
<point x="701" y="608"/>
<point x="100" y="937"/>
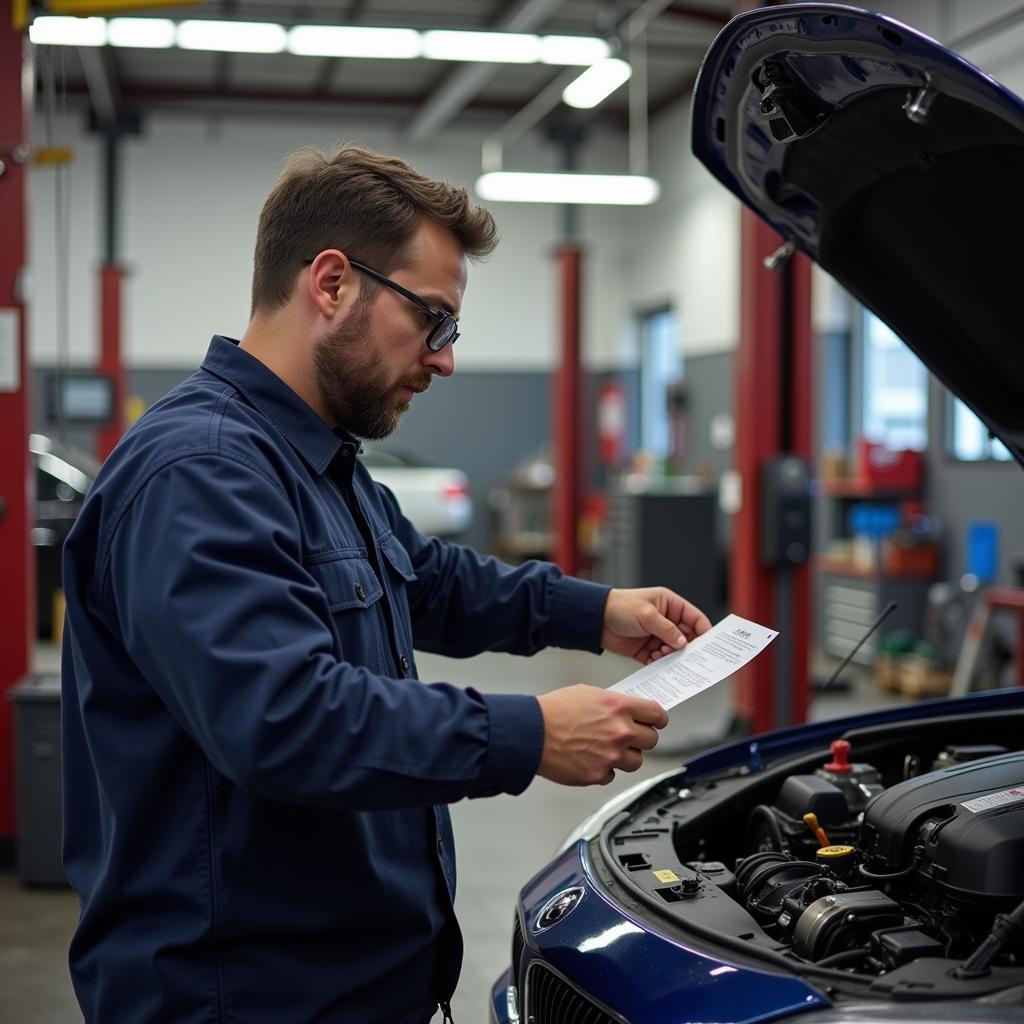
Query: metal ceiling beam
<point x="142" y="95"/>
<point x="464" y="83"/>
<point x="697" y="13"/>
<point x="329" y="69"/>
<point x="101" y="79"/>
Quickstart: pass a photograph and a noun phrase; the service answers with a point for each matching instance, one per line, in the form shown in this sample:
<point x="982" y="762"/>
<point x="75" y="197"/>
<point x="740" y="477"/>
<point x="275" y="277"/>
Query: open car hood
<point x="893" y="163"/>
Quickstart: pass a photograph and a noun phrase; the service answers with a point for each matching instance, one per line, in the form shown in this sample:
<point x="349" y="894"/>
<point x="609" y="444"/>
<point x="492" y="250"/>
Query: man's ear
<point x="330" y="277"/>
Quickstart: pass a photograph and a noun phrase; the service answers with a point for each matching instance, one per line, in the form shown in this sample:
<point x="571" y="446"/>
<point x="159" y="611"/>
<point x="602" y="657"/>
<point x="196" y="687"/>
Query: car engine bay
<point x="890" y="863"/>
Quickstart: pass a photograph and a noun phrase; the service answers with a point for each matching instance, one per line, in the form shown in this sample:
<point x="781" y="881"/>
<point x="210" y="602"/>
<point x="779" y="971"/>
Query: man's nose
<point x="442" y="363"/>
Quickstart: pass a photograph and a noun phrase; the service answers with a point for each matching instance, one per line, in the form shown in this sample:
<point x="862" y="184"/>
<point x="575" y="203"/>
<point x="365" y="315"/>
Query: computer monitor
<point x="80" y="398"/>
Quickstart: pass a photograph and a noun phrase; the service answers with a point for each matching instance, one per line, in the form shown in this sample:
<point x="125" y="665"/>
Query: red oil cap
<point x="840" y="762"/>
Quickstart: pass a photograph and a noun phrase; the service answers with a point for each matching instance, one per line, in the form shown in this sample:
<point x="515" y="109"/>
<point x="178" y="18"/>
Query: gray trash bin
<point x="37" y="766"/>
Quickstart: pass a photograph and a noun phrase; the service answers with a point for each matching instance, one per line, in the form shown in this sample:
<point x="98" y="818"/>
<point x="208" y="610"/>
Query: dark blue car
<point x="706" y="895"/>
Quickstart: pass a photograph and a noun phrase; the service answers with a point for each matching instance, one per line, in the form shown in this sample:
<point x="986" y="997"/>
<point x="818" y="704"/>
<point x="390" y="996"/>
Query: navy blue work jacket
<point x="254" y="779"/>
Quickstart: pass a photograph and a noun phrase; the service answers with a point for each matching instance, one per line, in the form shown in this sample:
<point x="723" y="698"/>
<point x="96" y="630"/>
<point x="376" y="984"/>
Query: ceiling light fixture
<point x="321" y="40"/>
<point x="232" y="36"/>
<point x="355" y="41"/>
<point x="568" y="187"/>
<point x="143" y="33"/>
<point x="490" y="47"/>
<point x="65" y="31"/>
<point x="597" y="83"/>
<point x="569" y="50"/>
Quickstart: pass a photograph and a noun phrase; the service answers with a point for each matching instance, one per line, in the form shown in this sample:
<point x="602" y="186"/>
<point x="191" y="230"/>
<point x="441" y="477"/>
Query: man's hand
<point x="589" y="732"/>
<point x="649" y="623"/>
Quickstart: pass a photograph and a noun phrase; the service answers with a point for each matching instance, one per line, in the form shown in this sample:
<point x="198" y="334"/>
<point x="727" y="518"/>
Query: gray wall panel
<point x="481" y="423"/>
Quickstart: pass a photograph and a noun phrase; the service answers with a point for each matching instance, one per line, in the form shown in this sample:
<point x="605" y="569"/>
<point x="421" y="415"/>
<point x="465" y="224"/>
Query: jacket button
<point x="440" y="847"/>
<point x="360" y="593"/>
<point x="405" y="663"/>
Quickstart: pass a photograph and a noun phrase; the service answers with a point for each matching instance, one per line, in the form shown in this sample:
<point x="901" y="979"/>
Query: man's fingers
<point x="693" y="621"/>
<point x="649" y="712"/>
<point x="646" y="738"/>
<point x="664" y="629"/>
<point x="630" y="761"/>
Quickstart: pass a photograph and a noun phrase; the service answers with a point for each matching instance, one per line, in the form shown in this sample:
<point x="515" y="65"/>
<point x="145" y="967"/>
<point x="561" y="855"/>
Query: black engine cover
<point x="969" y="821"/>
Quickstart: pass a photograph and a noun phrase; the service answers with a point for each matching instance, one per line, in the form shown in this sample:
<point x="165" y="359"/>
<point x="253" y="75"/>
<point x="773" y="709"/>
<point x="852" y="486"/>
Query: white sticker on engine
<point x="986" y="803"/>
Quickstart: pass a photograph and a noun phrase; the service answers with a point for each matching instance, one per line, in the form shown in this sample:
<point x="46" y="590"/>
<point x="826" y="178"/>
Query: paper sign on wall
<point x="10" y="362"/>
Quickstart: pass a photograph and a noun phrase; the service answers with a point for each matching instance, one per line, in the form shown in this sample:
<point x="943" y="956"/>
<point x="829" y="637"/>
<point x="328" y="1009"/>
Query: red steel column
<point x="802" y="375"/>
<point x="773" y="415"/>
<point x="17" y="584"/>
<point x="111" y="280"/>
<point x="565" y="416"/>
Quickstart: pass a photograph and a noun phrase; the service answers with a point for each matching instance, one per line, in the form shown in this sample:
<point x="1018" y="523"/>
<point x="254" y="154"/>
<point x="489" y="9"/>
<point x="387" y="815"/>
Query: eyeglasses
<point x="445" y="330"/>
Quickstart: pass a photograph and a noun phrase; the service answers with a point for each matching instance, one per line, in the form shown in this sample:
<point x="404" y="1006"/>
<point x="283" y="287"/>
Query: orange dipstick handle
<point x="811" y="820"/>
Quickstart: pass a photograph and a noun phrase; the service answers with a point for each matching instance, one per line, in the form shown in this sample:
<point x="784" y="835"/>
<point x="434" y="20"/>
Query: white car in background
<point x="436" y="500"/>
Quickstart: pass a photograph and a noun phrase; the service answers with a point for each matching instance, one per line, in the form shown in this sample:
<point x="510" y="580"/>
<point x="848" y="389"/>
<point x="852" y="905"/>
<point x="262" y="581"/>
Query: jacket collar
<point x="307" y="433"/>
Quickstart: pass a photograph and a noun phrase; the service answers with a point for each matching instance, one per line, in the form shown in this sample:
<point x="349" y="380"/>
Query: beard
<point x="354" y="382"/>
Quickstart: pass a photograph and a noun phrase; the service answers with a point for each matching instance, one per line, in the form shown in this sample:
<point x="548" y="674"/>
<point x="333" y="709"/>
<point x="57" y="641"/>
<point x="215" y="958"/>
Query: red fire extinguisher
<point x="611" y="423"/>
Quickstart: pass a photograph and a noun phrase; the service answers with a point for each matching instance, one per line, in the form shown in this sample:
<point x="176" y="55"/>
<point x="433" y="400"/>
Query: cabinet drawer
<point x="860" y="597"/>
<point x="839" y="646"/>
<point x="861" y="617"/>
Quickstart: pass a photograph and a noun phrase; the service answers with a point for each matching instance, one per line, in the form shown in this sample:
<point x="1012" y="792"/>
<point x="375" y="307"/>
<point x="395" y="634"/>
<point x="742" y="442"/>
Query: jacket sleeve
<point x="464" y="603"/>
<point x="206" y="586"/>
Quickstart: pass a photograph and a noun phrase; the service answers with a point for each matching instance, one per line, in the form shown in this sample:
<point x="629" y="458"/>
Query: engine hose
<point x="892" y="876"/>
<point x="978" y="963"/>
<point x="846" y="956"/>
<point x="765" y="812"/>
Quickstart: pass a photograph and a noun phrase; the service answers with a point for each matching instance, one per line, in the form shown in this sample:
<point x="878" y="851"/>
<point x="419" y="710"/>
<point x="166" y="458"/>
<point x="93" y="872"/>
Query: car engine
<point x="845" y="872"/>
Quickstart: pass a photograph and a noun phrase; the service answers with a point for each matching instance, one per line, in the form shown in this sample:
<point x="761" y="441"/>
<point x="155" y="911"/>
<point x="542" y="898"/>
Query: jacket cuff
<point x="577" y="614"/>
<point x="515" y="744"/>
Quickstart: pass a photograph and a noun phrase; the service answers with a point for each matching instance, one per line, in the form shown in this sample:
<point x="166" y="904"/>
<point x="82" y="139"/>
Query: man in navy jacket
<point x="255" y="781"/>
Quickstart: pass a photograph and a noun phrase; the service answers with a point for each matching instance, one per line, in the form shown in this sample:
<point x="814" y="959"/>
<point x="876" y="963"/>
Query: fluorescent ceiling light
<point x="144" y="33"/>
<point x="354" y="41"/>
<point x="493" y="47"/>
<point x="597" y="82"/>
<point x="232" y="36"/>
<point x="57" y="31"/>
<point x="597" y="189"/>
<point x="327" y="41"/>
<point x="572" y="50"/>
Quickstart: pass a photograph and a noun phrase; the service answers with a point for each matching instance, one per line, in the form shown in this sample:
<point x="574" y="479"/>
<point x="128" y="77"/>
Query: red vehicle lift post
<point x="17" y="598"/>
<point x="773" y="408"/>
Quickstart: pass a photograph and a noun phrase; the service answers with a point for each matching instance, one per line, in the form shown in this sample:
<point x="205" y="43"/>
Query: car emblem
<point x="558" y="907"/>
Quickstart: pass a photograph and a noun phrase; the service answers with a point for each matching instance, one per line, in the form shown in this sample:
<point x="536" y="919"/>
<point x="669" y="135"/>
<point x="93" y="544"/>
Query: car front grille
<point x="550" y="999"/>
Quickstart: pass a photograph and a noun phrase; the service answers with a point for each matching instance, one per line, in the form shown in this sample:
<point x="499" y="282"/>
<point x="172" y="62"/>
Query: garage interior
<point x="611" y="410"/>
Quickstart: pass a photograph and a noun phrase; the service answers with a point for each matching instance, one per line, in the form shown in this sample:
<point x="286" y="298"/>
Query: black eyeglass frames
<point x="444" y="332"/>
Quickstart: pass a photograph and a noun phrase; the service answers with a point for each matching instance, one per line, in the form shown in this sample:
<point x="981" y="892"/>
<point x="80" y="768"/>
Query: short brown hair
<point x="366" y="204"/>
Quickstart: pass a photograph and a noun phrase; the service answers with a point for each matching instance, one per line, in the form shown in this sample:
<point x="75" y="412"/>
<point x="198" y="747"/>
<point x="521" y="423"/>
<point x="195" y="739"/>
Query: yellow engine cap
<point x="835" y="851"/>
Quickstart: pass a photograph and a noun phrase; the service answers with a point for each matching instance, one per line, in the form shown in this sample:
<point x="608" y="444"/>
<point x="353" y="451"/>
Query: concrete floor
<point x="502" y="841"/>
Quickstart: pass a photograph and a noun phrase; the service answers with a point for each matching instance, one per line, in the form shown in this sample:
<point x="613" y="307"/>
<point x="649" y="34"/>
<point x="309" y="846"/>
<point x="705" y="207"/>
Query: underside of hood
<point x="897" y="166"/>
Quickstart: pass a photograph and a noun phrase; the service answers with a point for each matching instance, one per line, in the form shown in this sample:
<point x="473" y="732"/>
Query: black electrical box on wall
<point x="785" y="511"/>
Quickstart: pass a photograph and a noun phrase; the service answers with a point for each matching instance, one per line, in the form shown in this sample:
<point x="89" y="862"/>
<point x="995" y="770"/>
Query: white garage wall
<point x="191" y="192"/>
<point x="192" y="188"/>
<point x="684" y="250"/>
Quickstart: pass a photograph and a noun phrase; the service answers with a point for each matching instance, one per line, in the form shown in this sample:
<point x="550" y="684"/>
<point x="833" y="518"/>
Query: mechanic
<point x="254" y="780"/>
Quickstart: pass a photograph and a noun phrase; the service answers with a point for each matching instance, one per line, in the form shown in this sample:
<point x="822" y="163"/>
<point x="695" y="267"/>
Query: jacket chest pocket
<point x="353" y="594"/>
<point x="396" y="557"/>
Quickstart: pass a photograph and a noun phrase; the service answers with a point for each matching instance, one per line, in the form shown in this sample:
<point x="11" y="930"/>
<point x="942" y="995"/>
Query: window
<point x="895" y="407"/>
<point x="661" y="367"/>
<point x="969" y="438"/>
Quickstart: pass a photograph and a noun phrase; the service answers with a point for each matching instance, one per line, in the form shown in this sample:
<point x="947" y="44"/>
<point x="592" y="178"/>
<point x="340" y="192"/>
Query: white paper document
<point x="709" y="659"/>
